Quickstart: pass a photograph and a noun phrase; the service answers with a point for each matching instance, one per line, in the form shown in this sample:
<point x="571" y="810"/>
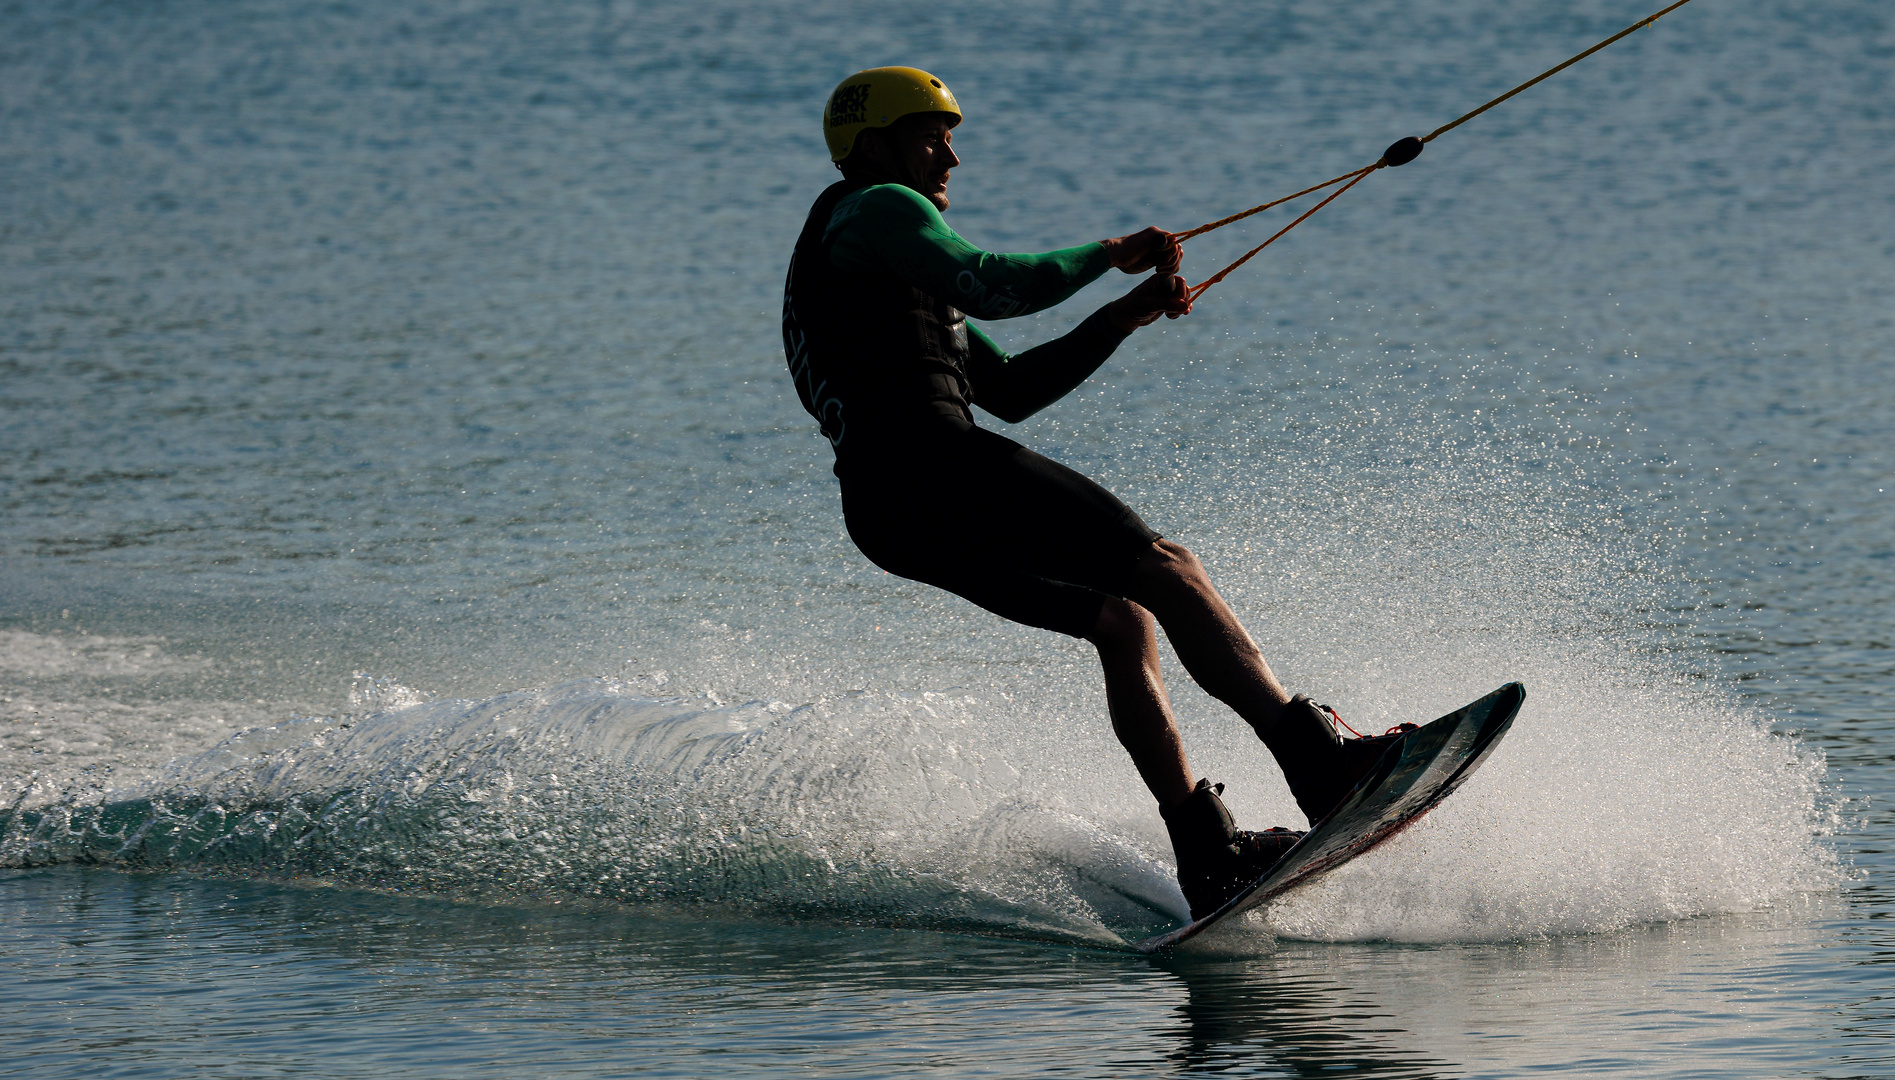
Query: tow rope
<point x="1400" y="153"/>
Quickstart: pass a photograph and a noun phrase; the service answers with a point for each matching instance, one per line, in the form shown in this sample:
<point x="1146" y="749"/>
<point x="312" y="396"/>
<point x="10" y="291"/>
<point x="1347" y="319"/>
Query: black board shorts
<point x="985" y="518"/>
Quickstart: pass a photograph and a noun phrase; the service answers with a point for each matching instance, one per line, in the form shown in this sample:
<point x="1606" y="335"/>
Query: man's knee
<point x="1169" y="567"/>
<point x="1122" y="626"/>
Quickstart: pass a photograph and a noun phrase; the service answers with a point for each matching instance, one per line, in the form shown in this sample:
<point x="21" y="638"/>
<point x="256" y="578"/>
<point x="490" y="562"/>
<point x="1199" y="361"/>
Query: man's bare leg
<point x="1127" y="640"/>
<point x="1216" y="859"/>
<point x="1220" y="655"/>
<point x="1215" y="648"/>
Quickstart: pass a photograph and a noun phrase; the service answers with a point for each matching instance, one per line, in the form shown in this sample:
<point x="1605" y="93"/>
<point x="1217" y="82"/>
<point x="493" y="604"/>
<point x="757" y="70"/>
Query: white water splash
<point x="906" y="809"/>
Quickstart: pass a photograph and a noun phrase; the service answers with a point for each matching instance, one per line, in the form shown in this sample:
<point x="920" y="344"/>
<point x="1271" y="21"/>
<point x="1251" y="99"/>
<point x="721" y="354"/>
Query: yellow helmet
<point x="877" y="98"/>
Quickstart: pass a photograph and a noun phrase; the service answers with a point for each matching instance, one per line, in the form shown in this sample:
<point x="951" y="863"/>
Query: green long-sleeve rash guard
<point x="894" y="230"/>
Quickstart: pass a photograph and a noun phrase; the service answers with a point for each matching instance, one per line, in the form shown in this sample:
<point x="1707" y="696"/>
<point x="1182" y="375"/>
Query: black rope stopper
<point x="1402" y="151"/>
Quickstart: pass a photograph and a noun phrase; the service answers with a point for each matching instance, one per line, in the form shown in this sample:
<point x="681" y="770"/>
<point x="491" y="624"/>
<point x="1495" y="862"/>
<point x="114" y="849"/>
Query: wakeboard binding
<point x="1216" y="859"/>
<point x="1321" y="766"/>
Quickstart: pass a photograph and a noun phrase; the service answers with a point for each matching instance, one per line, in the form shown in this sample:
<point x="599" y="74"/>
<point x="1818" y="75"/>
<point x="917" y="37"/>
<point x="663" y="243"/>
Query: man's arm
<point x="1015" y="387"/>
<point x="890" y="229"/>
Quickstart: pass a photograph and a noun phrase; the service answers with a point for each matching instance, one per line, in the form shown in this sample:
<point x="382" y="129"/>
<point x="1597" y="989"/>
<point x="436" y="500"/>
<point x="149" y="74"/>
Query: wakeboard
<point x="1414" y="774"/>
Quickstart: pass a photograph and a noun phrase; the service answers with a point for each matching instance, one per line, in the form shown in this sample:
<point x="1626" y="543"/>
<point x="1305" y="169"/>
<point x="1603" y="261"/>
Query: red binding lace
<point x="1396" y="730"/>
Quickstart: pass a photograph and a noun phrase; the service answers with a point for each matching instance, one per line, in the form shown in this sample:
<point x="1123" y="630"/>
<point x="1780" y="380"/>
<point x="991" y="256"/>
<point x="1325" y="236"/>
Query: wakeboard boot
<point x="1216" y="859"/>
<point x="1321" y="766"/>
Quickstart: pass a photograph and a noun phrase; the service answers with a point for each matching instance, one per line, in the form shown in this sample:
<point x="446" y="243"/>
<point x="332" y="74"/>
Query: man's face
<point x="923" y="142"/>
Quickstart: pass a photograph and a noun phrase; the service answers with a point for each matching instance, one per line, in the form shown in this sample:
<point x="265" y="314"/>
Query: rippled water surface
<point x="279" y="979"/>
<point x="429" y="644"/>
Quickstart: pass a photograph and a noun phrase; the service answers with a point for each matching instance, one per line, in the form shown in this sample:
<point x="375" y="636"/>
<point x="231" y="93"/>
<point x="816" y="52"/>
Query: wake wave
<point x="868" y="808"/>
<point x="894" y="808"/>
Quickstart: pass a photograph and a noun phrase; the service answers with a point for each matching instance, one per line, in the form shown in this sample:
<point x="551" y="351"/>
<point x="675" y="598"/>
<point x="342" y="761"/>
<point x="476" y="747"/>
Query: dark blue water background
<point x="429" y="645"/>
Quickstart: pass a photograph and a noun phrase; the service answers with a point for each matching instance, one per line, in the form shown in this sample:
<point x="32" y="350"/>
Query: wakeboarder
<point x="876" y="331"/>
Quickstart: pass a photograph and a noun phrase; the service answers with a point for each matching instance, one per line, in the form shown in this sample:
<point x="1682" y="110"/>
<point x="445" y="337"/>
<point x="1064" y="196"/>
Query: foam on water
<point x="1601" y="810"/>
<point x="875" y="805"/>
<point x="68" y="723"/>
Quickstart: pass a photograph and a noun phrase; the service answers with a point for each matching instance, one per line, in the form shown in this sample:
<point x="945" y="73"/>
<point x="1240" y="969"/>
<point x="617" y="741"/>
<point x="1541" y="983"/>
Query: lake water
<point x="429" y="644"/>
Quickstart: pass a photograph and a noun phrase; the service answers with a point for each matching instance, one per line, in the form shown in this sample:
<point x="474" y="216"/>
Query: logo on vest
<point x="826" y="408"/>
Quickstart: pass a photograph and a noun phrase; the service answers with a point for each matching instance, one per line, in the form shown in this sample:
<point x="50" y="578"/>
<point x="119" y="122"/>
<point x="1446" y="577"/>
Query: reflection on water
<point x="1725" y="996"/>
<point x="223" y="977"/>
<point x="1243" y="1013"/>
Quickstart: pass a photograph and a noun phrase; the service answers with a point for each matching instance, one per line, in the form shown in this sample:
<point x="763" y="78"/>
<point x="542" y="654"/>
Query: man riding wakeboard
<point x="875" y="329"/>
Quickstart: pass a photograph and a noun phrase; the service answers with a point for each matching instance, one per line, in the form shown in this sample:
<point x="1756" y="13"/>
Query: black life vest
<point x="875" y="360"/>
